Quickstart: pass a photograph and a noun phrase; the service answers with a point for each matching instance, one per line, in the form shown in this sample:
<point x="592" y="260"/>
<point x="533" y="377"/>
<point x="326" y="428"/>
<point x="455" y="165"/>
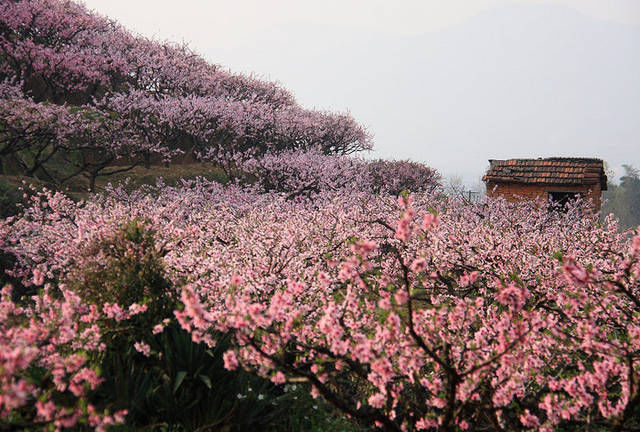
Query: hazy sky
<point x="448" y="82"/>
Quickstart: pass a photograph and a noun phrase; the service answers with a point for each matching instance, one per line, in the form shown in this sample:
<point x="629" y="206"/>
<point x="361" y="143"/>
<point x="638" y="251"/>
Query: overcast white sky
<point x="450" y="83"/>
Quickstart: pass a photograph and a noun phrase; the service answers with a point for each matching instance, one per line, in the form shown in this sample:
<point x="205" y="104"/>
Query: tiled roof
<point x="549" y="171"/>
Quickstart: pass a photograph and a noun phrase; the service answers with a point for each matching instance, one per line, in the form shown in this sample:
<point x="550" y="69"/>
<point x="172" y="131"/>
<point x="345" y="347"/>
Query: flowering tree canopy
<point x="78" y="89"/>
<point x="422" y="314"/>
<point x="296" y="173"/>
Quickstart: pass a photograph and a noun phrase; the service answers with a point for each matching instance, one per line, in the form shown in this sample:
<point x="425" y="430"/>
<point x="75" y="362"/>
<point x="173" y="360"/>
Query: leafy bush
<point x="124" y="268"/>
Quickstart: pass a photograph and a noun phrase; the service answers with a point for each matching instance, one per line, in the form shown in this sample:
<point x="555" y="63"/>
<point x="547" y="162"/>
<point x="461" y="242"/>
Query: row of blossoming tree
<point x="421" y="313"/>
<point x="82" y="96"/>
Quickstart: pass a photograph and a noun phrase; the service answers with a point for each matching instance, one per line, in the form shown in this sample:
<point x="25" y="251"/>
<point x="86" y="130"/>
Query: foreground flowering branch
<point x="45" y="375"/>
<point x="425" y="328"/>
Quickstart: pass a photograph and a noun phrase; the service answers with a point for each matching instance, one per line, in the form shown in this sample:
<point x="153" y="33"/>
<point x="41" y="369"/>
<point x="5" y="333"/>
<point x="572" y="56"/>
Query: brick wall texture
<point x="516" y="191"/>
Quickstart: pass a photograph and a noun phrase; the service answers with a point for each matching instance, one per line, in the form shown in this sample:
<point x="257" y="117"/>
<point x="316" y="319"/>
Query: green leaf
<point x="515" y="278"/>
<point x="205" y="379"/>
<point x="179" y="378"/>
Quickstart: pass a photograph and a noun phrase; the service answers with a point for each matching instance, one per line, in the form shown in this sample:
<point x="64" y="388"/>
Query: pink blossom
<point x="143" y="348"/>
<point x="135" y="309"/>
<point x="377" y="400"/>
<point x="419" y="265"/>
<point x="401" y="296"/>
<point x="278" y="378"/>
<point x="574" y="271"/>
<point x="46" y="410"/>
<point x="512" y="296"/>
<point x="230" y="360"/>
<point x="430" y="221"/>
<point x="529" y="420"/>
<point x="38" y="277"/>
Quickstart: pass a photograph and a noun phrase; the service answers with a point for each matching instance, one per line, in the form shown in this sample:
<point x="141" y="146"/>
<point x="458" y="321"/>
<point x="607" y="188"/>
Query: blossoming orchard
<point x="395" y="306"/>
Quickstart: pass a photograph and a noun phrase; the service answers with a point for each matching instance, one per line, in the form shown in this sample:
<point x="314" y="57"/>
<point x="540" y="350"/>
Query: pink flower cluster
<point x="441" y="314"/>
<point x="54" y="335"/>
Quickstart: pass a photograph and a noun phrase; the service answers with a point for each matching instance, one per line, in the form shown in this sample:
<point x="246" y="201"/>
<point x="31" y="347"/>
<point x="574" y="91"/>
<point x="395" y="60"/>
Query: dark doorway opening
<point x="560" y="200"/>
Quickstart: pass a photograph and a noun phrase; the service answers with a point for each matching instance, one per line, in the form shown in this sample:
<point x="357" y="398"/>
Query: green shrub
<point x="124" y="268"/>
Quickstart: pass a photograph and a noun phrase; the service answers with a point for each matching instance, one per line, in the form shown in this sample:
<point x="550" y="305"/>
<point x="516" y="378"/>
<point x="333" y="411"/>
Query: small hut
<point x="557" y="179"/>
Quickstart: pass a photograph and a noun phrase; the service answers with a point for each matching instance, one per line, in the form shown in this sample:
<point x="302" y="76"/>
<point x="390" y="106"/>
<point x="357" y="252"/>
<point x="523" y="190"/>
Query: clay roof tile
<point x="556" y="171"/>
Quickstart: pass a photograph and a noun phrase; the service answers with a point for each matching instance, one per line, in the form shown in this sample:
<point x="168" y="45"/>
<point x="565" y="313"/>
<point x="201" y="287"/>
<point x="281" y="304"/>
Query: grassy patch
<point x="171" y="174"/>
<point x="78" y="187"/>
